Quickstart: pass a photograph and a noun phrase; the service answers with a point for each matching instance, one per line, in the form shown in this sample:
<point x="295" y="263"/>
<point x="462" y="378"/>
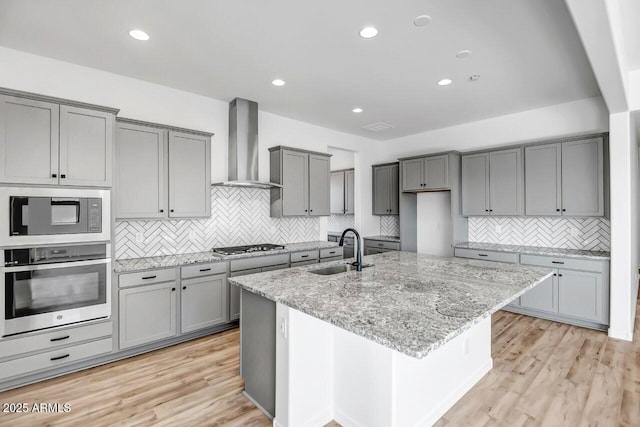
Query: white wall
<point x="434" y="223"/>
<point x="146" y="101"/>
<point x="341" y="159"/>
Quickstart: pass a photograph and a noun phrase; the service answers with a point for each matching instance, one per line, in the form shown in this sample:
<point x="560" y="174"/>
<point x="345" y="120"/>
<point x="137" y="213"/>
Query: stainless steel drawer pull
<point x="205" y="269"/>
<point x="149" y="277"/>
<point x="59" y="339"/>
<point x="557" y="262"/>
<point x="483" y="255"/>
<point x="60" y="357"/>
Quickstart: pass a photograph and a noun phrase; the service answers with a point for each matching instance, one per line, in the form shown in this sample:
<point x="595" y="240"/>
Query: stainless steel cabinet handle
<point x="304" y="256"/>
<point x="557" y="262"/>
<point x="149" y="277"/>
<point x="60" y="357"/>
<point x="332" y="252"/>
<point x="483" y="255"/>
<point x="205" y="269"/>
<point x="59" y="339"/>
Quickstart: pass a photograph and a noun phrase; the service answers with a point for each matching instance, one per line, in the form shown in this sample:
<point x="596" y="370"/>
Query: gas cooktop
<point x="235" y="250"/>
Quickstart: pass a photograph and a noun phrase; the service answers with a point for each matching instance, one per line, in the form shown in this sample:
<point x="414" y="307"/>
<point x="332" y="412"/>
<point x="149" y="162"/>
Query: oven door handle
<point x="54" y="266"/>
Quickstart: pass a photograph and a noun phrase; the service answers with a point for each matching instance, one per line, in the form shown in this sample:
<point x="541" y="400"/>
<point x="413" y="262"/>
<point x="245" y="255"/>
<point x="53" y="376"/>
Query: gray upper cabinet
<point x="543" y="168"/>
<point x="28" y="141"/>
<point x="189" y="175"/>
<point x="342" y="192"/>
<point x="337" y="192"/>
<point x="583" y="177"/>
<point x="475" y="184"/>
<point x="319" y="194"/>
<point x="203" y="302"/>
<point x="86" y="141"/>
<point x="172" y="182"/>
<point x="141" y="186"/>
<point x="425" y="173"/>
<point x="492" y="183"/>
<point x="305" y="179"/>
<point x="385" y="189"/>
<point x="565" y="178"/>
<point x="47" y="143"/>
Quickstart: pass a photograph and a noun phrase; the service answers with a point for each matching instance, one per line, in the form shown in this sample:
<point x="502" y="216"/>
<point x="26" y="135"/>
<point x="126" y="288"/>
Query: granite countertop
<point x="409" y="302"/>
<point x="394" y="239"/>
<point x="138" y="264"/>
<point x="534" y="250"/>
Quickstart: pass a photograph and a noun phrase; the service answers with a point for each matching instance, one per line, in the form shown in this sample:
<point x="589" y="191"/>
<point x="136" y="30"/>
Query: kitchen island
<point x="394" y="345"/>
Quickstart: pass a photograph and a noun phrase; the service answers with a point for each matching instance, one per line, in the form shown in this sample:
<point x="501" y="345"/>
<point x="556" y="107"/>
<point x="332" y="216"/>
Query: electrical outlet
<point x="283" y="328"/>
<point x="498" y="229"/>
<point x="139" y="237"/>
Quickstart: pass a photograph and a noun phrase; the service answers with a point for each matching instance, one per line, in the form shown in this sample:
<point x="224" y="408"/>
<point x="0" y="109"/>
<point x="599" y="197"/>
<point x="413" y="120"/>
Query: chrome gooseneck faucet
<point x="358" y="263"/>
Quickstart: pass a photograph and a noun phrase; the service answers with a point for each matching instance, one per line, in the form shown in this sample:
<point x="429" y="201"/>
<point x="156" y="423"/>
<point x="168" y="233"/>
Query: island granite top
<point x="166" y="261"/>
<point x="408" y="302"/>
<point x="534" y="250"/>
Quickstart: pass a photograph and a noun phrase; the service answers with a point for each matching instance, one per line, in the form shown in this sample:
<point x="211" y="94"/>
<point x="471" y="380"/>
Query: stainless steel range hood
<point x="243" y="146"/>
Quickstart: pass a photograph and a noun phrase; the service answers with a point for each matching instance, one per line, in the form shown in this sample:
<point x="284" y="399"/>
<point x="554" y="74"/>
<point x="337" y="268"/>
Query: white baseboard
<point x="455" y="395"/>
<point x="621" y="335"/>
<point x="276" y="423"/>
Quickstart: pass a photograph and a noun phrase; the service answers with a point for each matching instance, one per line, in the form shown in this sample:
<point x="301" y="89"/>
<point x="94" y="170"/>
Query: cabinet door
<point x="337" y="193"/>
<point x="295" y="183"/>
<point x="189" y="176"/>
<point x="381" y="190"/>
<point x="475" y="184"/>
<point x="147" y="314"/>
<point x="349" y="192"/>
<point x="140" y="185"/>
<point x="413" y="174"/>
<point x="581" y="295"/>
<point x="203" y="302"/>
<point x="506" y="182"/>
<point x="394" y="191"/>
<point x="86" y="141"/>
<point x="319" y="176"/>
<point x="543" y="181"/>
<point x="436" y="171"/>
<point x="583" y="178"/>
<point x="28" y="141"/>
<point x="543" y="297"/>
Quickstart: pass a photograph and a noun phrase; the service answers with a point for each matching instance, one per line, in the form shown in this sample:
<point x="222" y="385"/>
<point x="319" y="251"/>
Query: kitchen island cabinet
<point x="393" y="345"/>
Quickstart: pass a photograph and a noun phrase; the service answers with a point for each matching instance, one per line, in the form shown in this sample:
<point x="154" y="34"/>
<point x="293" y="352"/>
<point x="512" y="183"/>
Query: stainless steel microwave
<point x="53" y="215"/>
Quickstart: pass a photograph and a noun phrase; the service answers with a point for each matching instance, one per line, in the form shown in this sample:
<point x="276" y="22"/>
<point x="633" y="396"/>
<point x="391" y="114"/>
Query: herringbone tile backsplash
<point x="390" y="225"/>
<point x="570" y="233"/>
<point x="239" y="216"/>
<point x="340" y="222"/>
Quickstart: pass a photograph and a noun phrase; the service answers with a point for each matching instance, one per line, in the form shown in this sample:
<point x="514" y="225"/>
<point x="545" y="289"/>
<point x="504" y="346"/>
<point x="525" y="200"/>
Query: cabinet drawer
<point x="301" y="263"/>
<point x="147" y="277"/>
<point x="304" y="256"/>
<point x="380" y="244"/>
<point x="14" y="346"/>
<point x="486" y="255"/>
<point x="559" y="262"/>
<point x="54" y="358"/>
<point x="200" y="270"/>
<point x="258" y="262"/>
<point x="331" y="252"/>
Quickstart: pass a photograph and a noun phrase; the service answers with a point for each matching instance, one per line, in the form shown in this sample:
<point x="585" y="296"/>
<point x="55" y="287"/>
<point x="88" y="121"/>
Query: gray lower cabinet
<point x="372" y="246"/>
<point x="47" y="143"/>
<point x="493" y="183"/>
<point x="543" y="297"/>
<point x="147" y="313"/>
<point x="174" y="160"/>
<point x="342" y="192"/>
<point x="305" y="179"/>
<point x="565" y="178"/>
<point x="581" y="295"/>
<point x="385" y="189"/>
<point x="425" y="173"/>
<point x="203" y="302"/>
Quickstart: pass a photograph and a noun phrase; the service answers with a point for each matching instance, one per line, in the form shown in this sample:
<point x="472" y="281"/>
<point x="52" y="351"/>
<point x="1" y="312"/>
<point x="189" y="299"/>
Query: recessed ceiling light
<point x="421" y="20"/>
<point x="278" y="82"/>
<point x="445" y="82"/>
<point x="368" y="32"/>
<point x="139" y="35"/>
<point x="463" y="54"/>
<point x="357" y="110"/>
<point x="474" y="77"/>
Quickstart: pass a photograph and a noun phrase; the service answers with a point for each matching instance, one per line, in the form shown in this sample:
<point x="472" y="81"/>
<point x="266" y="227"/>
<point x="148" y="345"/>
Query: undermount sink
<point x="337" y="269"/>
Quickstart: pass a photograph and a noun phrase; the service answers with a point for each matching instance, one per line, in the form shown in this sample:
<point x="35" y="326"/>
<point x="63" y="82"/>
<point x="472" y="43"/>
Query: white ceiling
<point x="527" y="53"/>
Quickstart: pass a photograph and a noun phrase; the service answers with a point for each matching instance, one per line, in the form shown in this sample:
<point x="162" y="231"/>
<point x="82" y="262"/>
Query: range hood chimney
<point x="243" y="146"/>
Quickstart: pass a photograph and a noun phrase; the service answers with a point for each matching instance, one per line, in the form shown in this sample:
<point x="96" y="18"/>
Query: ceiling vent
<point x="378" y="127"/>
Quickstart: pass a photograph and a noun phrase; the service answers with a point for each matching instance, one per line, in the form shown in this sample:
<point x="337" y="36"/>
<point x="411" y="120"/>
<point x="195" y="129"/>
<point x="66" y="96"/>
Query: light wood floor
<point x="545" y="374"/>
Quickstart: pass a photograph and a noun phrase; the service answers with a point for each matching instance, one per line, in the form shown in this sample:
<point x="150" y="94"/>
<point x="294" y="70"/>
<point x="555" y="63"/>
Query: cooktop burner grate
<point x="235" y="250"/>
